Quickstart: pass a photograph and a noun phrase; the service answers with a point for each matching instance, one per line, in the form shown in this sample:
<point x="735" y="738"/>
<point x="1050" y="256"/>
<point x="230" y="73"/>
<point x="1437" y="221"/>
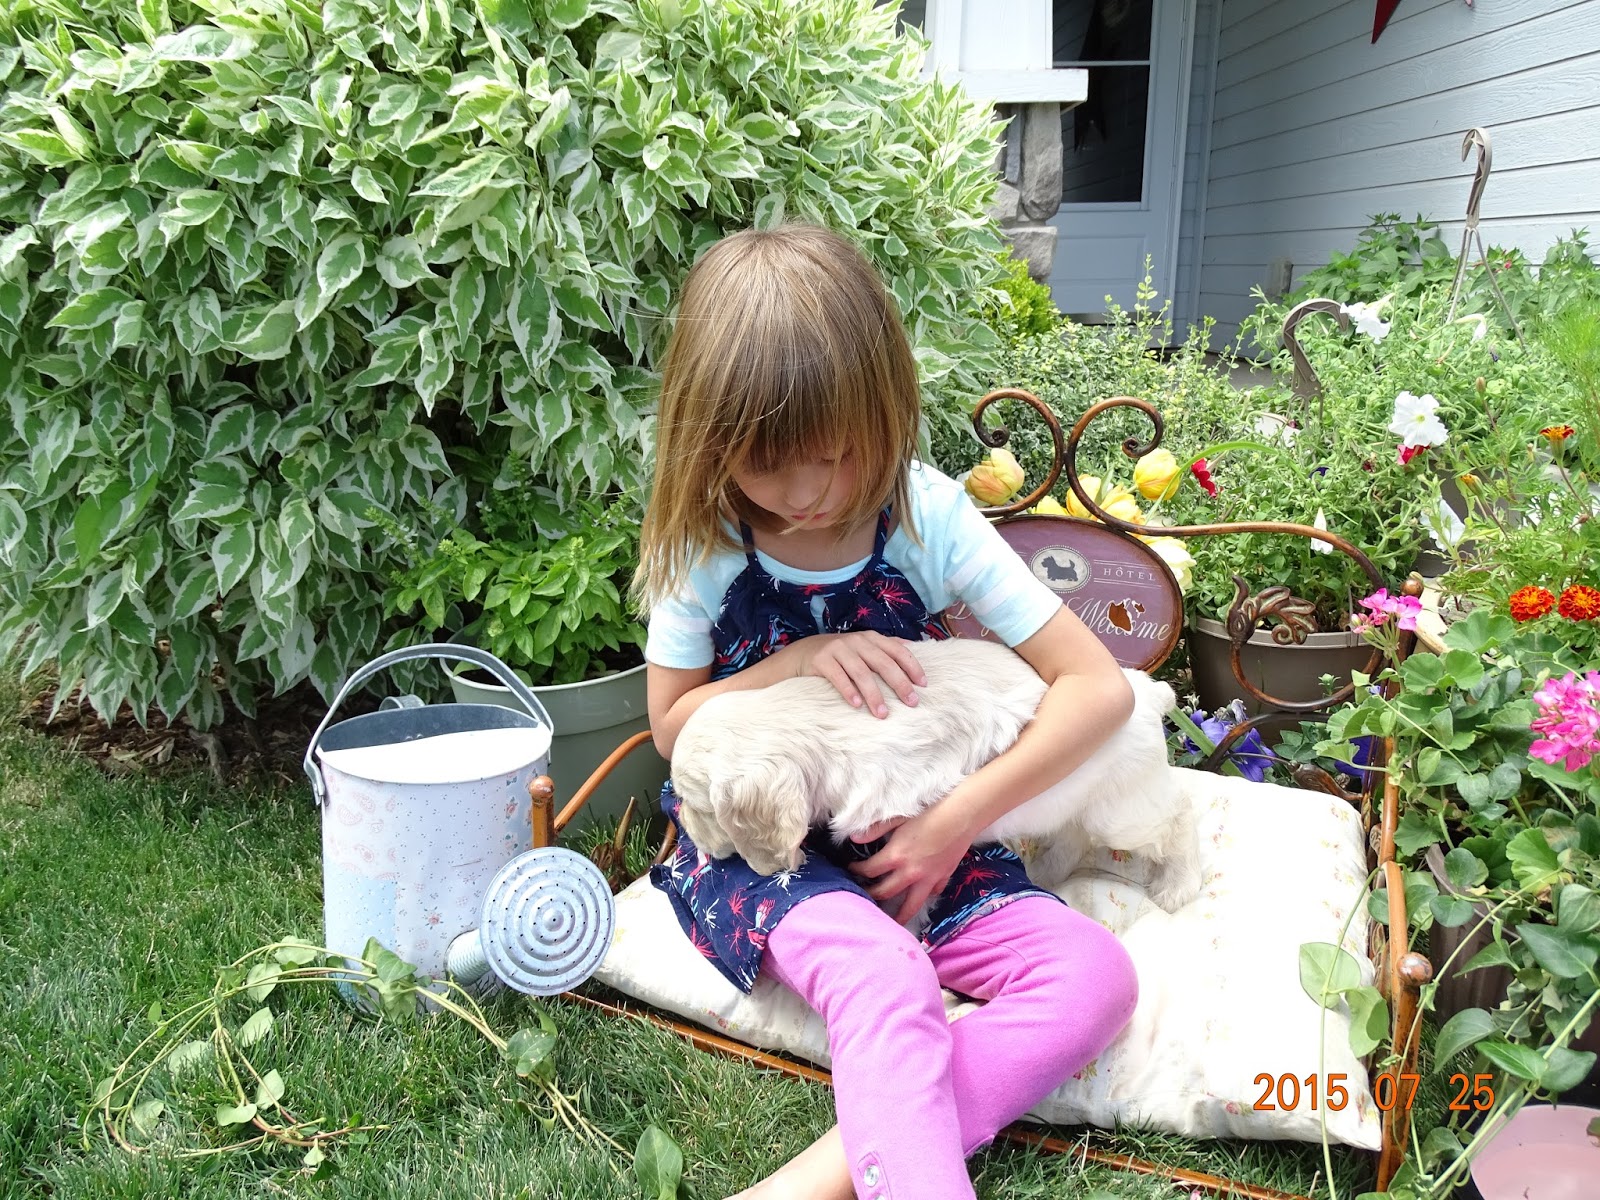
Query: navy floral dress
<point x="725" y="908"/>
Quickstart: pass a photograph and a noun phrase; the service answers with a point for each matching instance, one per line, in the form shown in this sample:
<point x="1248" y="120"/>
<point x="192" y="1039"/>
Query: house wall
<point x="1313" y="129"/>
<point x="1197" y="148"/>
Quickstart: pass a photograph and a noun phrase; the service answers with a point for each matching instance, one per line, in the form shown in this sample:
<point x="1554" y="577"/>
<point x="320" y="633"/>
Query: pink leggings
<point x="915" y="1094"/>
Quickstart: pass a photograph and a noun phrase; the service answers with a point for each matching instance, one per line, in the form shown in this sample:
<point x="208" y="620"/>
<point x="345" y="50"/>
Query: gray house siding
<point x="1197" y="149"/>
<point x="1313" y="129"/>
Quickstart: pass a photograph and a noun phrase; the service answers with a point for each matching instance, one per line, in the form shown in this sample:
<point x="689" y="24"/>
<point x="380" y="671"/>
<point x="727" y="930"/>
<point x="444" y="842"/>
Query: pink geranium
<point x="1382" y="606"/>
<point x="1569" y="719"/>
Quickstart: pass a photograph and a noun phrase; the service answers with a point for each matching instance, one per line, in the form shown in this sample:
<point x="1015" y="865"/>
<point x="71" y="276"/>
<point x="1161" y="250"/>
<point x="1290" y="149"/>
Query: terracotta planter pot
<point x="591" y="718"/>
<point x="1486" y="987"/>
<point x="1288" y="672"/>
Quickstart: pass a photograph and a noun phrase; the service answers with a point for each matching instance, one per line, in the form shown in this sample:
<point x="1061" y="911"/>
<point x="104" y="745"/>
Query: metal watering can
<point x="426" y="822"/>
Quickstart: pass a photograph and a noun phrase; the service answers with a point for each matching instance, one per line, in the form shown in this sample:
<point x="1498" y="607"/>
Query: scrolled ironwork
<point x="1000" y="435"/>
<point x="1295" y="616"/>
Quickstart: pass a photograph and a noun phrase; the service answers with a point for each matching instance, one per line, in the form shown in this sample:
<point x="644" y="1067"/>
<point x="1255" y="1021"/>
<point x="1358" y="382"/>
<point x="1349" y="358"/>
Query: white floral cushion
<point x="1220" y="1002"/>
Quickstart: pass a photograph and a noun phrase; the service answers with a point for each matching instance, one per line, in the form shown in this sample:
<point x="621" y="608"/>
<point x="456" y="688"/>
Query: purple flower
<point x="1249" y="753"/>
<point x="1365" y="746"/>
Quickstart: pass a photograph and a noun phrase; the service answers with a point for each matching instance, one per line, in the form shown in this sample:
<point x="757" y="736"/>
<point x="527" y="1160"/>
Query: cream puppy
<point x="756" y="769"/>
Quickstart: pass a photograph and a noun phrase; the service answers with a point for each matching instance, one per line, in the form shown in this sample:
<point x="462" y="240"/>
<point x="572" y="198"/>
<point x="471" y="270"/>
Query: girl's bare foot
<point x="819" y="1172"/>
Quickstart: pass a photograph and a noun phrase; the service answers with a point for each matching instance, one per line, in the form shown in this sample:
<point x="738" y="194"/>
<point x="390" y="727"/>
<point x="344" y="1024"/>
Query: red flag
<point x="1381" y="15"/>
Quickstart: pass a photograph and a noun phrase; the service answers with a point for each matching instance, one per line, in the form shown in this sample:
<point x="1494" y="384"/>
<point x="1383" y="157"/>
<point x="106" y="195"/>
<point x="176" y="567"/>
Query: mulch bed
<point x="266" y="749"/>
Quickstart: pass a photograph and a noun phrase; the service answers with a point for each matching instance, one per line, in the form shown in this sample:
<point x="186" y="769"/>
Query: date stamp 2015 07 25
<point x="1472" y="1094"/>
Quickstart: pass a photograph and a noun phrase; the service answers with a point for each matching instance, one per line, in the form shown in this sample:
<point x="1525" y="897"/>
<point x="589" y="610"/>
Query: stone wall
<point x="1029" y="166"/>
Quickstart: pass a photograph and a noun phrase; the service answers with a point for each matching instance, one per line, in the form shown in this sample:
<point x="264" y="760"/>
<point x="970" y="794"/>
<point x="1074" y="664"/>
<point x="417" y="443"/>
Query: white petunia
<point x="1272" y="427"/>
<point x="1320" y="521"/>
<point x="1416" y="421"/>
<point x="1365" y="318"/>
<point x="1444" y="527"/>
<point x="1480" y="326"/>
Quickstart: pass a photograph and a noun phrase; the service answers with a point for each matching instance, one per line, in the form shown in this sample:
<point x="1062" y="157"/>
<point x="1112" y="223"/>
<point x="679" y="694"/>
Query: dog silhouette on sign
<point x="1054" y="570"/>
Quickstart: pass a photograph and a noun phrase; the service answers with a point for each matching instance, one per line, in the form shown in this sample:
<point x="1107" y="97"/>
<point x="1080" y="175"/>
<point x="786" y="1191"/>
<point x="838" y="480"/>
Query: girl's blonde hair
<point x="786" y="345"/>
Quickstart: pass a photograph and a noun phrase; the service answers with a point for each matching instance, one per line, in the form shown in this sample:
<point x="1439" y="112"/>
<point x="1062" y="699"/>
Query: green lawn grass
<point x="119" y="892"/>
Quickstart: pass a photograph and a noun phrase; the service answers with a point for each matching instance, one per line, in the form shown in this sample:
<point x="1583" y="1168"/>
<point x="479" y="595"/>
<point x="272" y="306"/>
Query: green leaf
<point x="1494" y="954"/>
<point x="1578" y="909"/>
<point x="508" y="16"/>
<point x="1464" y="667"/>
<point x="1466" y="1028"/>
<point x="193" y="206"/>
<point x="535" y="323"/>
<point x="367" y="186"/>
<point x="233" y="551"/>
<point x="566" y="14"/>
<point x="400" y="262"/>
<point x="658" y="1163"/>
<point x="210" y="502"/>
<point x="292" y="953"/>
<point x="466" y="178"/>
<point x="1533" y="861"/>
<point x="263" y="977"/>
<point x="1450" y="911"/>
<point x="1565" y="953"/>
<point x="145" y="1115"/>
<point x="340" y="262"/>
<point x="1369" y="1020"/>
<point x="89" y="309"/>
<point x="529" y="1049"/>
<point x="239" y="165"/>
<point x="422" y="450"/>
<point x="1326" y="971"/>
<point x="272" y="337"/>
<point x="1566" y="1069"/>
<point x="256" y="1027"/>
<point x="269" y="1091"/>
<point x="228" y="1114"/>
<point x="582" y="308"/>
<point x="1465" y="869"/>
<point x="763" y="129"/>
<point x="188" y="1056"/>
<point x="1522" y="1061"/>
<point x="395" y="102"/>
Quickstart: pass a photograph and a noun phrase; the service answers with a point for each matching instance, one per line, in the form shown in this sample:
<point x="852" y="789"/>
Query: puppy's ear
<point x="766" y="813"/>
<point x="698" y="816"/>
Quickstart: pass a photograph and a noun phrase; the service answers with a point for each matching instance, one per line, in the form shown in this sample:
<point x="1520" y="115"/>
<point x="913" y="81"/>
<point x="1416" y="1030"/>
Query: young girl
<point x="790" y="532"/>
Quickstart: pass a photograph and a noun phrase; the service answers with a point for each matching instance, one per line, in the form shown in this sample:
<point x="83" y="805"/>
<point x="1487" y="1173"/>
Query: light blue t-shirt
<point x="962" y="558"/>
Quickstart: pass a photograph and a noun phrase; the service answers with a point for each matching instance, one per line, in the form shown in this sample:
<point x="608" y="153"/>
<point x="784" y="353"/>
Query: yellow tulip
<point x="1117" y="500"/>
<point x="1049" y="507"/>
<point x="996" y="479"/>
<point x="1177" y="557"/>
<point x="1156" y="475"/>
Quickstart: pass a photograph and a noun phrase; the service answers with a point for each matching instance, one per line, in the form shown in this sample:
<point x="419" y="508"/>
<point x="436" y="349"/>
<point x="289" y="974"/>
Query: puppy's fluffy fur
<point x="756" y="769"/>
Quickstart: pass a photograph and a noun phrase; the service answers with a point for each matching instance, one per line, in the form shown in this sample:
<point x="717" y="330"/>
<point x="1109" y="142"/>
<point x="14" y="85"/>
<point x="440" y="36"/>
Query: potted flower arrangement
<point x="541" y="586"/>
<point x="1496" y="756"/>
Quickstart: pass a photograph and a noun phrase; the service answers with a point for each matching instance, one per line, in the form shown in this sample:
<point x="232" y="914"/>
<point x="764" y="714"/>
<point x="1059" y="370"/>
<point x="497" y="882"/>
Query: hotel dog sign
<point x="1116" y="585"/>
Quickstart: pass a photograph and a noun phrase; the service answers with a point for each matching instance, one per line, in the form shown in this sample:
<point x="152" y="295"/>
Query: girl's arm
<point x="1087" y="700"/>
<point x="852" y="662"/>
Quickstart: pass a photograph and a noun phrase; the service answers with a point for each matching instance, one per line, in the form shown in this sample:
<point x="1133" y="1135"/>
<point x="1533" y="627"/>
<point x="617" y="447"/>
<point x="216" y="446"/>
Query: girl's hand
<point x="855" y="662"/>
<point x="922" y="854"/>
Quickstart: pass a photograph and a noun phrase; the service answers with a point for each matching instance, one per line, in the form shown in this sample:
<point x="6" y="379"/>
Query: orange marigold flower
<point x="1530" y="603"/>
<point x="1557" y="433"/>
<point x="1580" y="602"/>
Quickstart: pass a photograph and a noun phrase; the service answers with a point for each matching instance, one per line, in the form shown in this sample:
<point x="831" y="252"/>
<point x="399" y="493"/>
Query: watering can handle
<point x="472" y="654"/>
